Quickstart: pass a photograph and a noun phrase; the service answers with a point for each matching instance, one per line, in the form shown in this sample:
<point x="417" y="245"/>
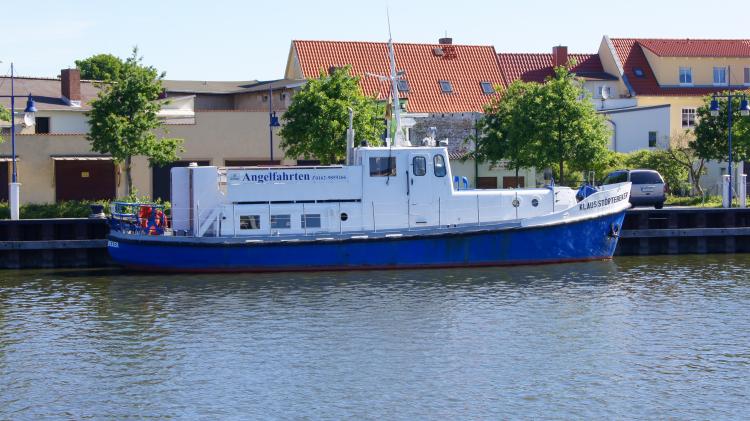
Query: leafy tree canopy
<point x="315" y="123"/>
<point x="123" y="118"/>
<point x="100" y="67"/>
<point x="712" y="133"/>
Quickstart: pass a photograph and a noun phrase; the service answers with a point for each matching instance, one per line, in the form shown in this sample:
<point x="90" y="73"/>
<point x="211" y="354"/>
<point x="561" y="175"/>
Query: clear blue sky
<point x="245" y="40"/>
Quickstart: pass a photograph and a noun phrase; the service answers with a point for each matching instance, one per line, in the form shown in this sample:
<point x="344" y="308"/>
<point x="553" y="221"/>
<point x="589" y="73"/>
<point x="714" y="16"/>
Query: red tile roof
<point x="698" y="47"/>
<point x="631" y="55"/>
<point x="464" y="67"/>
<point x="537" y="67"/>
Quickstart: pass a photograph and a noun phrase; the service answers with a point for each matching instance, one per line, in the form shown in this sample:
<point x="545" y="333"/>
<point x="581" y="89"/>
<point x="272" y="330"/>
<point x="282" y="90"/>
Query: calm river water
<point x="635" y="338"/>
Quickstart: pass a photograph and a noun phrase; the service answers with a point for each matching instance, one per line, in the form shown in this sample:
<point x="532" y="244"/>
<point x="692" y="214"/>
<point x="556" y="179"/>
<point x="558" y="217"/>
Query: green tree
<point x="505" y="133"/>
<point x="100" y="67"/>
<point x="681" y="151"/>
<point x="712" y="133"/>
<point x="568" y="132"/>
<point x="124" y="119"/>
<point x="315" y="123"/>
<point x="674" y="173"/>
<point x="4" y="116"/>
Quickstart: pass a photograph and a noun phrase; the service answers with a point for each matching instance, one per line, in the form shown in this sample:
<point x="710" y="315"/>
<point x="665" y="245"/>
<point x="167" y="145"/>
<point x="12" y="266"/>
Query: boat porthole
<point x="516" y="203"/>
<point x="344" y="216"/>
<point x="535" y="202"/>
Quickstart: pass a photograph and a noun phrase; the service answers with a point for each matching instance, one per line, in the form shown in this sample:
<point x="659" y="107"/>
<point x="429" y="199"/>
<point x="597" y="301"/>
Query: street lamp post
<point x="744" y="111"/>
<point x="28" y="119"/>
<point x="273" y="120"/>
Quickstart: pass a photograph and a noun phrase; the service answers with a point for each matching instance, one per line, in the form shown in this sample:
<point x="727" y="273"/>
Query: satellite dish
<point x="605" y="93"/>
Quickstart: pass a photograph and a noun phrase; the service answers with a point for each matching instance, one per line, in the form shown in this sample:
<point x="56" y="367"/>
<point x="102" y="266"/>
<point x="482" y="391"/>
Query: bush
<point x="67" y="209"/>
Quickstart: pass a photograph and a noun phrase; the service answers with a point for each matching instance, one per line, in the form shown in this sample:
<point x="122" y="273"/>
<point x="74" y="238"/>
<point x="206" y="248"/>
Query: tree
<point x="123" y="118"/>
<point x="315" y="123"/>
<point x="712" y="134"/>
<point x="681" y="151"/>
<point x="567" y="130"/>
<point x="4" y="116"/>
<point x="100" y="67"/>
<point x="674" y="173"/>
<point x="504" y="131"/>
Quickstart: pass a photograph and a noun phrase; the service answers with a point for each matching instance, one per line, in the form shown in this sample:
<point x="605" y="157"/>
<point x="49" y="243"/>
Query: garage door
<point x="161" y="184"/>
<point x="84" y="180"/>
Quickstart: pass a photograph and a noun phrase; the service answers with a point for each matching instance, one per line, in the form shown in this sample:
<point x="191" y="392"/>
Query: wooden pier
<point x="81" y="242"/>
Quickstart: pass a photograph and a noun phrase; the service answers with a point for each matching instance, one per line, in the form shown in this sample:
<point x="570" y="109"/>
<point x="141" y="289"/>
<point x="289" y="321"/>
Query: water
<point x="636" y="338"/>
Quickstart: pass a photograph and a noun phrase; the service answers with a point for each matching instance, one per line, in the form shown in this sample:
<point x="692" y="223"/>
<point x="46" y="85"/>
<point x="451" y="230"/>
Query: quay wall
<point x="81" y="242"/>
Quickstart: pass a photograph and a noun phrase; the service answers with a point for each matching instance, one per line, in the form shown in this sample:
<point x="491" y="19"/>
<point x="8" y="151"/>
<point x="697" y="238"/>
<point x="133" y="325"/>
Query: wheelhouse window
<point x="311" y="220"/>
<point x="446" y="87"/>
<point x="382" y="166"/>
<point x="487" y="88"/>
<point x="438" y="163"/>
<point x="249" y="222"/>
<point x="420" y="165"/>
<point x="720" y="75"/>
<point x="688" y="118"/>
<point x="686" y="76"/>
<point x="281" y="221"/>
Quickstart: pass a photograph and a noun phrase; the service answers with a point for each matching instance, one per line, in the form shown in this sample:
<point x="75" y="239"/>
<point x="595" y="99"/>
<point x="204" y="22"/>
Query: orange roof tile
<point x="532" y="67"/>
<point x="631" y="55"/>
<point x="697" y="47"/>
<point x="464" y="67"/>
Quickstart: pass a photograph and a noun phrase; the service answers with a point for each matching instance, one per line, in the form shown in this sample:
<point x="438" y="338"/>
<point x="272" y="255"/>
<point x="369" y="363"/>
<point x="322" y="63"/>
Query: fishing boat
<point x="387" y="207"/>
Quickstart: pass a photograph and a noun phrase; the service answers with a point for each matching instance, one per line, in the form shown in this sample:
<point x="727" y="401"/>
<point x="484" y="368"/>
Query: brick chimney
<point x="559" y="56"/>
<point x="71" y="87"/>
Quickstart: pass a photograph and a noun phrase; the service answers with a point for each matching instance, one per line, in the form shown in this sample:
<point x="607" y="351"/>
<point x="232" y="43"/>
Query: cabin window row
<point x="386" y="166"/>
<point x="281" y="221"/>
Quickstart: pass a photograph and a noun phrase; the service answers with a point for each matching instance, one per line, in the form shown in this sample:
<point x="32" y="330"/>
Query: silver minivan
<point x="648" y="187"/>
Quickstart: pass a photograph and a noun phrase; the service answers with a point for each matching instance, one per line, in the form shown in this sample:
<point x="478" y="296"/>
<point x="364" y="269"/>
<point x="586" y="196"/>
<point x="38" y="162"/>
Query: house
<point x="443" y="89"/>
<point x="633" y="127"/>
<point x="678" y="73"/>
<point x="222" y="123"/>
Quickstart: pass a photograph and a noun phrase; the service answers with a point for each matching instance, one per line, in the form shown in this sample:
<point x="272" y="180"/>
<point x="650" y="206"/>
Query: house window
<point x="249" y="222"/>
<point x="688" y="118"/>
<point x="747" y="75"/>
<point x="403" y="85"/>
<point x="446" y="87"/>
<point x="282" y="96"/>
<point x="439" y="165"/>
<point x="638" y="72"/>
<point x="42" y="124"/>
<point x="420" y="165"/>
<point x="720" y="75"/>
<point x="686" y="76"/>
<point x="487" y="88"/>
<point x="281" y="221"/>
<point x="311" y="220"/>
<point x="382" y="166"/>
<point x="651" y="139"/>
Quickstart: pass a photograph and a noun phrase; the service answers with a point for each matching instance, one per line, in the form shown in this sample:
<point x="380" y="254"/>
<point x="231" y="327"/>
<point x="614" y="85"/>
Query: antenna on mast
<point x="396" y="119"/>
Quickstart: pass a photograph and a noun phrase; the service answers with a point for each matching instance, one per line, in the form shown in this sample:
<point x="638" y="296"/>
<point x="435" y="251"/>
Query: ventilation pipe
<point x="350" y="139"/>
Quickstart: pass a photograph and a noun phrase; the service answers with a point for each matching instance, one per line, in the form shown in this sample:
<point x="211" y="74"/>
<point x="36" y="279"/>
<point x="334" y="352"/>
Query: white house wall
<point x="630" y="128"/>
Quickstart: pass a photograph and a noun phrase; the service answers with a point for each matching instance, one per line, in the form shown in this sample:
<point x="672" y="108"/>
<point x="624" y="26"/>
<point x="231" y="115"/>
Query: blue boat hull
<point x="590" y="239"/>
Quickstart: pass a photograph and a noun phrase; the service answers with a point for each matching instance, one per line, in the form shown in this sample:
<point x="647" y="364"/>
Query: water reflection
<point x="634" y="337"/>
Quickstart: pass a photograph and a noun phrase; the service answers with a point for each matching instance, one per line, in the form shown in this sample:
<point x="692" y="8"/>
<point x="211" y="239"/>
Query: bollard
<point x="726" y="195"/>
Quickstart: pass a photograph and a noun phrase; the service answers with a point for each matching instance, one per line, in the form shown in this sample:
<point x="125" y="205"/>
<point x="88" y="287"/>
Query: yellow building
<point x="680" y="73"/>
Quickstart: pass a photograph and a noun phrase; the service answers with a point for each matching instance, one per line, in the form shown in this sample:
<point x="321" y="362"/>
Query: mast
<point x="395" y="125"/>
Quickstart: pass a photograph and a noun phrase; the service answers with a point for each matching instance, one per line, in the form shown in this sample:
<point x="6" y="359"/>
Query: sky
<point x="249" y="40"/>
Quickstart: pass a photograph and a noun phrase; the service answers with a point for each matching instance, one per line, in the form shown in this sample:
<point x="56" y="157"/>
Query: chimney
<point x="559" y="56"/>
<point x="445" y="41"/>
<point x="71" y="87"/>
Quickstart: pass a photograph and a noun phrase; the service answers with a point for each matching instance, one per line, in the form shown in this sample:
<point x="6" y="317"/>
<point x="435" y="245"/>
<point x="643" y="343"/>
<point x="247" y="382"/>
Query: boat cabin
<point x="384" y="189"/>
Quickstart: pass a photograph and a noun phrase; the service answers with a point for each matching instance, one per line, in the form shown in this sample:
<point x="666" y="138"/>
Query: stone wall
<point x="456" y="127"/>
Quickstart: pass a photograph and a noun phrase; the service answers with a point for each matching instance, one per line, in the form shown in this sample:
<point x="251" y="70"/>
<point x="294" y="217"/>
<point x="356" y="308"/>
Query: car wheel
<point x="659" y="205"/>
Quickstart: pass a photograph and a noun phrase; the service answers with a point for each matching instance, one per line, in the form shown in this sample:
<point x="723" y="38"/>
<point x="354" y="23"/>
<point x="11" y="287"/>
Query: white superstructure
<point x="398" y="188"/>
